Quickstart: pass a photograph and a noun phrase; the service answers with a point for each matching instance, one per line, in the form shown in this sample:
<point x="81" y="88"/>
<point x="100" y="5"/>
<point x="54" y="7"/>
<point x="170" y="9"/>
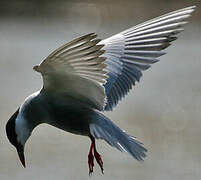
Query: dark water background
<point x="163" y="111"/>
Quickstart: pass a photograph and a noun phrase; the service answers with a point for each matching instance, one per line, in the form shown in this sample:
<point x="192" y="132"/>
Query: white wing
<point x="76" y="70"/>
<point x="134" y="50"/>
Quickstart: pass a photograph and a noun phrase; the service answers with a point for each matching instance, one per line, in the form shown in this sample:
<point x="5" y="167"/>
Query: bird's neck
<point x="28" y="118"/>
<point x="22" y="128"/>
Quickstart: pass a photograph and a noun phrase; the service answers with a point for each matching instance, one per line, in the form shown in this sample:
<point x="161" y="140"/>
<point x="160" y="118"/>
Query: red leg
<point x="98" y="159"/>
<point x="91" y="157"/>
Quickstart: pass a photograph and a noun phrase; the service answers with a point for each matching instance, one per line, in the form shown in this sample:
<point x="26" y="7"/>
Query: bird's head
<point x="17" y="137"/>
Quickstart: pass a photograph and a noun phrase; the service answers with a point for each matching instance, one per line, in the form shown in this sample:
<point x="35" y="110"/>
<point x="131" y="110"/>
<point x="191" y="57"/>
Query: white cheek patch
<point x="21" y="129"/>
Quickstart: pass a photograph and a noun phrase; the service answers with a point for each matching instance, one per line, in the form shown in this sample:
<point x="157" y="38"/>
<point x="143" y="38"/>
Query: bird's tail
<point x="103" y="128"/>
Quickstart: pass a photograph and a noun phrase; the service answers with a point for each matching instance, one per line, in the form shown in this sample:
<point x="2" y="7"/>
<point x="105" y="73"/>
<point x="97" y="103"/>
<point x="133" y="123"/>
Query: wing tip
<point x="37" y="68"/>
<point x="191" y="7"/>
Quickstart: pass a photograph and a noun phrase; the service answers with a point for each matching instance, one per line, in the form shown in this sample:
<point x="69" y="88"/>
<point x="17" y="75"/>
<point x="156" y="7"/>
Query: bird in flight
<point x="87" y="76"/>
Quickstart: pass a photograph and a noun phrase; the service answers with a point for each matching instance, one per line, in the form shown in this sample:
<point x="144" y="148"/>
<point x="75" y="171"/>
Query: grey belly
<point x="70" y="118"/>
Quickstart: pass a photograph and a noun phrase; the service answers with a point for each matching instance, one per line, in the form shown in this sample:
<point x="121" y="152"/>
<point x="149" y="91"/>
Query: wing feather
<point x="136" y="49"/>
<point x="76" y="70"/>
<point x="92" y="70"/>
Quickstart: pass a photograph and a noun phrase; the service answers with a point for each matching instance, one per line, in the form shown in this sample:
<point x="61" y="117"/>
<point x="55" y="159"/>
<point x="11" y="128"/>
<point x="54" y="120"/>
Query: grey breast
<point x="70" y="115"/>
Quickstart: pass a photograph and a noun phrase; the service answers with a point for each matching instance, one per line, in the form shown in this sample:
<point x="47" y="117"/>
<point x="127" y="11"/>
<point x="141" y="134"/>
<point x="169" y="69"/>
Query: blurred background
<point x="163" y="110"/>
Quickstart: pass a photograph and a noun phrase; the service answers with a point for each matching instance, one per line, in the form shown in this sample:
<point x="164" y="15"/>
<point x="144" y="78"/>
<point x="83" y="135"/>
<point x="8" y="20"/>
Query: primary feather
<point x="134" y="50"/>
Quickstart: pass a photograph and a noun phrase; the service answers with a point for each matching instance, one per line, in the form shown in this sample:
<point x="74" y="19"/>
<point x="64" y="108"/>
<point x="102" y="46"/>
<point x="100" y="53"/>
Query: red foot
<point x="99" y="160"/>
<point x="91" y="163"/>
<point x="91" y="157"/>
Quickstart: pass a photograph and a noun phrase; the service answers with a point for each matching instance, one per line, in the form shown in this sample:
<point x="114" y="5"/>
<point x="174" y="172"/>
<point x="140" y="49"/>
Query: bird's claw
<point x="92" y="153"/>
<point x="91" y="163"/>
<point x="99" y="161"/>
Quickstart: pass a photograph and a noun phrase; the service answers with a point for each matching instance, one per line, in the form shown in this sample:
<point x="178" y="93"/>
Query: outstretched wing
<point x="134" y="50"/>
<point x="76" y="70"/>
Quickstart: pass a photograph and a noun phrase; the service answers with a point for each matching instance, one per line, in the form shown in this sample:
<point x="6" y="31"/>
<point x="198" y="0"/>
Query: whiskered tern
<point x="87" y="76"/>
